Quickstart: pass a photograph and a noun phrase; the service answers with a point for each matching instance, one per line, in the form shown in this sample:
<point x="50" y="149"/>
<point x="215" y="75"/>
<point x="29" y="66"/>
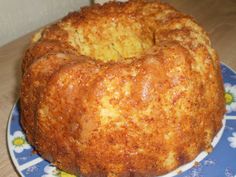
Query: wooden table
<point x="218" y="17"/>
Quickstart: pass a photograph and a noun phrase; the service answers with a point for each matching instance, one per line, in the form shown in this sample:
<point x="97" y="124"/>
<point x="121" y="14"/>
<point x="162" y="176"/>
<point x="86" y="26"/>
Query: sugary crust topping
<point x="146" y="98"/>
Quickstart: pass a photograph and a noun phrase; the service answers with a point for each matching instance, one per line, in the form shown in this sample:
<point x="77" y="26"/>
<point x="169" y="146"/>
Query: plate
<point x="220" y="162"/>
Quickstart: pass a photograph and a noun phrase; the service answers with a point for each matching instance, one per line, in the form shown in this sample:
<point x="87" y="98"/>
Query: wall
<point x="18" y="17"/>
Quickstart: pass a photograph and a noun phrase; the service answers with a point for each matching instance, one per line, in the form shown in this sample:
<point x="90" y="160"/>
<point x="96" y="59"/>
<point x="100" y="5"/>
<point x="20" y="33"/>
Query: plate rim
<point x="10" y="150"/>
<point x="231" y="69"/>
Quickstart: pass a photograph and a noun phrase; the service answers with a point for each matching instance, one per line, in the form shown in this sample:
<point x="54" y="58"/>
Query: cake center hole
<point x="112" y="41"/>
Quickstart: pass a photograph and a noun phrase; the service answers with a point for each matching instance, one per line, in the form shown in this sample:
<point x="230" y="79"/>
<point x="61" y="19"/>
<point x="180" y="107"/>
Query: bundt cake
<point x="121" y="89"/>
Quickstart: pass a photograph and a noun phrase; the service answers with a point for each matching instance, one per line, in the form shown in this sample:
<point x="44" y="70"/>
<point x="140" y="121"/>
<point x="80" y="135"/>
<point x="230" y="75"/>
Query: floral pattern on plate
<point x="219" y="163"/>
<point x="51" y="171"/>
<point x="19" y="142"/>
<point x="232" y="140"/>
<point x="230" y="97"/>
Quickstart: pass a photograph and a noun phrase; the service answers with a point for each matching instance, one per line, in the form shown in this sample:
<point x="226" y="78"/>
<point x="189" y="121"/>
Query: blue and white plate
<point x="221" y="162"/>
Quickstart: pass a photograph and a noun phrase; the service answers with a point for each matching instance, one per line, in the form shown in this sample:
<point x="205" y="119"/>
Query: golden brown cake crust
<point x="123" y="89"/>
<point x="34" y="81"/>
<point x="42" y="48"/>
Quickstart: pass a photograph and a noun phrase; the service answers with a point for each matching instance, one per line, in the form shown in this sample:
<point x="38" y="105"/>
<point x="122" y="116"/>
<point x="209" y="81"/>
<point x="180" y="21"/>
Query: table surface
<point x="218" y="17"/>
